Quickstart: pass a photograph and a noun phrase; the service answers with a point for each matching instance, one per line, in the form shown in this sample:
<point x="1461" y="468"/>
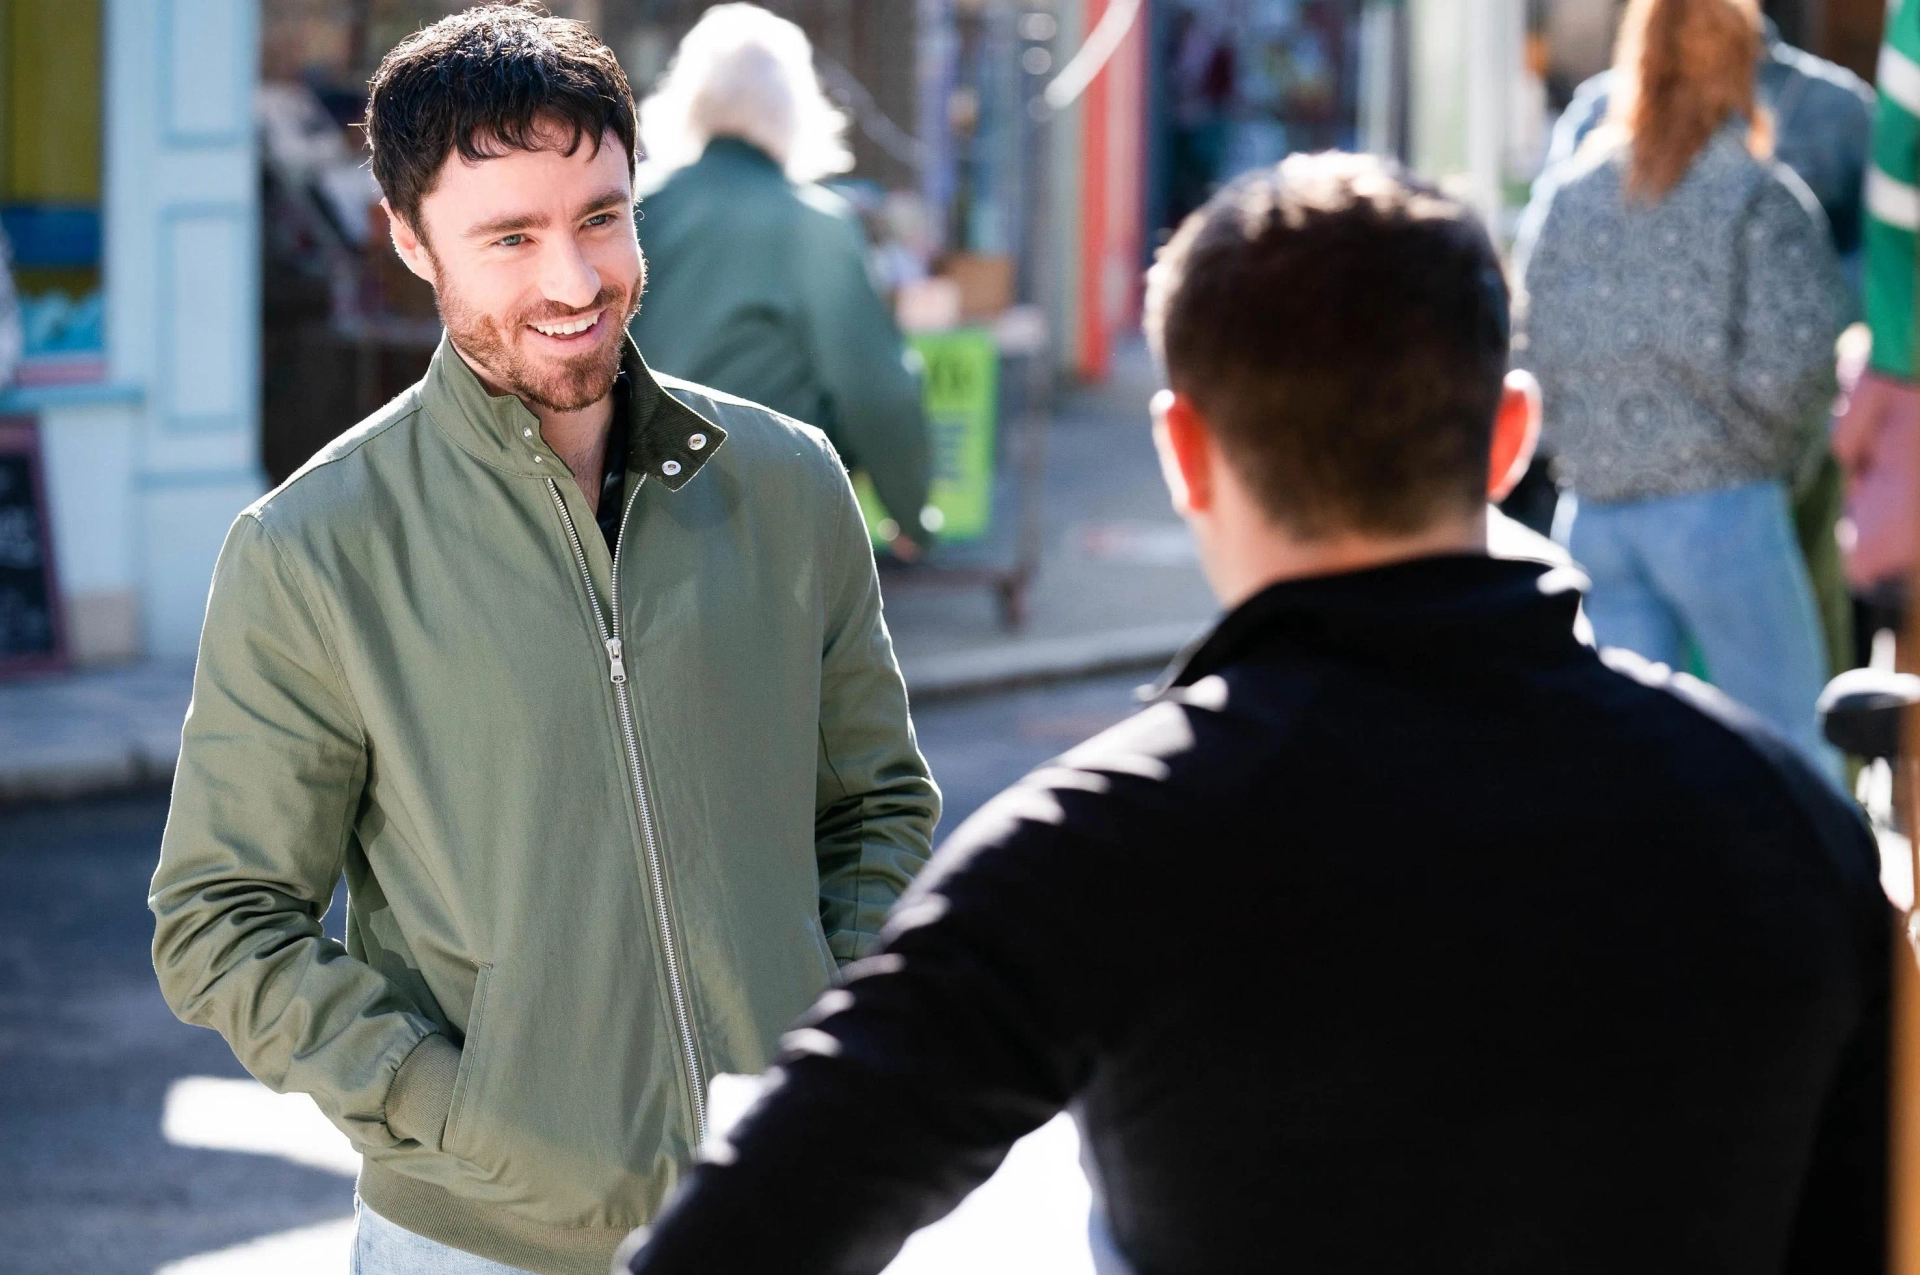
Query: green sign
<point x="962" y="398"/>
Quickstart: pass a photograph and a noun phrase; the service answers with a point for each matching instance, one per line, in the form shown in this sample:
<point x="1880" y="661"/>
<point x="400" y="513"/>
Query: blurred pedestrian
<point x="1822" y="117"/>
<point x="1401" y="932"/>
<point x="1822" y="124"/>
<point x="610" y="816"/>
<point x="758" y="281"/>
<point x="1200" y="80"/>
<point x="1682" y="300"/>
<point x="1878" y="435"/>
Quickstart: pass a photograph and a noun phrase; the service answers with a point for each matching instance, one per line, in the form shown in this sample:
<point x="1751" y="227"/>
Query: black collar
<point x="1440" y="609"/>
<point x="613" y="469"/>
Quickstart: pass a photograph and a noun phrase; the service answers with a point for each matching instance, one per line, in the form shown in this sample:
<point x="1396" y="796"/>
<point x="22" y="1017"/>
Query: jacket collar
<point x="666" y="438"/>
<point x="1447" y="609"/>
<point x="738" y="151"/>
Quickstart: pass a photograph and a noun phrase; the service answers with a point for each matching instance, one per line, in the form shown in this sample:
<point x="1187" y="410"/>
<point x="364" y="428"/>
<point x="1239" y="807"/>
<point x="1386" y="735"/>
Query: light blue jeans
<point x="1723" y="568"/>
<point x="382" y="1248"/>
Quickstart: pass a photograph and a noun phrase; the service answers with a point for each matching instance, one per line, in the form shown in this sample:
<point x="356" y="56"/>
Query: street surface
<point x="1114" y="557"/>
<point x="136" y="1145"/>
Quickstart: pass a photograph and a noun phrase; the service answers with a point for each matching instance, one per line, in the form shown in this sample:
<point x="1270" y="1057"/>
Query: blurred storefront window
<point x="1239" y="84"/>
<point x="129" y="194"/>
<point x="50" y="166"/>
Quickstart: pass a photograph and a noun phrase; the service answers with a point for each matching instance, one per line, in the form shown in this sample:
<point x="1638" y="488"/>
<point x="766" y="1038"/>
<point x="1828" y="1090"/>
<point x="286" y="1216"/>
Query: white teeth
<point x="567" y="329"/>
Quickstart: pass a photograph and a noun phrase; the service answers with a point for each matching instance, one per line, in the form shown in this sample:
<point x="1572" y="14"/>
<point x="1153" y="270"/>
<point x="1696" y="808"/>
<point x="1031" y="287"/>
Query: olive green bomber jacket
<point x="759" y="285"/>
<point x="601" y="843"/>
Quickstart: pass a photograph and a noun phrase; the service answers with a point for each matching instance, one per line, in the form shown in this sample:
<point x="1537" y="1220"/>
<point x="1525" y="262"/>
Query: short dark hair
<point x="1343" y="327"/>
<point x="490" y="78"/>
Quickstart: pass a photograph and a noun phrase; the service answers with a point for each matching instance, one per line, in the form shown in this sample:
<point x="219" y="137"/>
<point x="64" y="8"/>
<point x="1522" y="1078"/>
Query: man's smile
<point x="569" y="329"/>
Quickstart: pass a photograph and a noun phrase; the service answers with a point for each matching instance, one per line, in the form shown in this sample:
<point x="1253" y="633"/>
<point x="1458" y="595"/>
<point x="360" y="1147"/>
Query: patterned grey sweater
<point x="1681" y="346"/>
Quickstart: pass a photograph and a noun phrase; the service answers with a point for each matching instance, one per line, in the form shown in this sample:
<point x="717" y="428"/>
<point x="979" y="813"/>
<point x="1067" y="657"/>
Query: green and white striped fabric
<point x="1893" y="195"/>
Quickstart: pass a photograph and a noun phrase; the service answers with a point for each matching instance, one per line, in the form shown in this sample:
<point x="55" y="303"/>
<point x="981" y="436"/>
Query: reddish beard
<point x="559" y="385"/>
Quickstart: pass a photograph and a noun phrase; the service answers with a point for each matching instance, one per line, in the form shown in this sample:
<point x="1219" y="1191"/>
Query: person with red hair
<point x="1681" y="299"/>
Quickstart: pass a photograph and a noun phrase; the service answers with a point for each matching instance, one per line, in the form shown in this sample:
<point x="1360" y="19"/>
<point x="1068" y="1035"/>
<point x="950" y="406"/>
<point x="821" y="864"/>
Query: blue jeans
<point x="1723" y="568"/>
<point x="382" y="1248"/>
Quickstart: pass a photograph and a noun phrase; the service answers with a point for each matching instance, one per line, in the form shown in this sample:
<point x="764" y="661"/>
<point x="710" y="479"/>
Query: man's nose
<point x="567" y="277"/>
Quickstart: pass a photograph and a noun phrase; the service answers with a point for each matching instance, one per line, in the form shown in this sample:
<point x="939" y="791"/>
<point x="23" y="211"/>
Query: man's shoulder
<point x="333" y="480"/>
<point x="1100" y="797"/>
<point x="1701" y="717"/>
<point x="749" y="425"/>
<point x="758" y="438"/>
<point x="827" y="221"/>
<point x="819" y="200"/>
<point x="1202" y="747"/>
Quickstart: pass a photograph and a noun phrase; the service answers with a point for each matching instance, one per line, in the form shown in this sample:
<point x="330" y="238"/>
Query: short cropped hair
<point x="485" y="81"/>
<point x="1343" y="328"/>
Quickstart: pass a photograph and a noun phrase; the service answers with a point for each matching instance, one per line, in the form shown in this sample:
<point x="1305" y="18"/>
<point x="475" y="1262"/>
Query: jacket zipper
<point x="617" y="674"/>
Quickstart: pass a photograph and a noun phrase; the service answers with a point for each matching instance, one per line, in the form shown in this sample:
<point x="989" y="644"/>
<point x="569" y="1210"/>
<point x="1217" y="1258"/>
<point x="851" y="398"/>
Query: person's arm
<point x="1893" y="198"/>
<point x="875" y="805"/>
<point x="272" y="764"/>
<point x="1890" y="246"/>
<point x="878" y="415"/>
<point x="1781" y="369"/>
<point x="1003" y="970"/>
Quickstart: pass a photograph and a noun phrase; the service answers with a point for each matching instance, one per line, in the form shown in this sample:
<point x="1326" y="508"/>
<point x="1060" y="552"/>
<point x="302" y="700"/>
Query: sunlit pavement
<point x="135" y="1145"/>
<point x="1031" y="1217"/>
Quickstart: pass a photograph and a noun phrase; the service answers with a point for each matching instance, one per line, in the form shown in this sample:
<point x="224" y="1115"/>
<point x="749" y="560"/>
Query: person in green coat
<point x="757" y="277"/>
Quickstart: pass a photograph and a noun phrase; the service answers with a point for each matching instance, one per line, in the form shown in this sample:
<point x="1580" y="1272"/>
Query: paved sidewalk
<point x="1118" y="586"/>
<point x="1118" y="589"/>
<point x="96" y="731"/>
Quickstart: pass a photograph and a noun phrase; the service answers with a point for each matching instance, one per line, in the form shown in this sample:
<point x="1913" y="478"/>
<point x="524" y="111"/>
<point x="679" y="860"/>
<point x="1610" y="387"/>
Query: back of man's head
<point x="1342" y="327"/>
<point x="493" y="78"/>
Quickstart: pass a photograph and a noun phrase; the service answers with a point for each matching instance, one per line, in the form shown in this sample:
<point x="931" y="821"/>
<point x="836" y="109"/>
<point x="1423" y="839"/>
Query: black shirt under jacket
<point x="1401" y="934"/>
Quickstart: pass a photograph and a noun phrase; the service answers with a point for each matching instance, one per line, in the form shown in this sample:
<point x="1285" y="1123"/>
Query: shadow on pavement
<point x="87" y="1052"/>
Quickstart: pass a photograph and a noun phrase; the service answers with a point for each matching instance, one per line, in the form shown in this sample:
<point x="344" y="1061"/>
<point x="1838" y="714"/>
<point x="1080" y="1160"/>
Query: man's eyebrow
<point x="611" y="197"/>
<point x="510" y="224"/>
<point x="514" y="223"/>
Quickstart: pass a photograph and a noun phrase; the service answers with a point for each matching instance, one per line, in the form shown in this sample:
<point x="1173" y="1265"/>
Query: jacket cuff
<point x="422" y="1091"/>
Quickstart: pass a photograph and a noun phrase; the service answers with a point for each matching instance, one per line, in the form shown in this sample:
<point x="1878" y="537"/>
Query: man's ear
<point x="1186" y="446"/>
<point x="411" y="249"/>
<point x="1516" y="432"/>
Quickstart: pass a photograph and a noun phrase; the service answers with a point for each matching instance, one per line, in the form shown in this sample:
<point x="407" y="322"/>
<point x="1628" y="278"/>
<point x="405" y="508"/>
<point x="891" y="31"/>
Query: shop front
<point x="128" y="190"/>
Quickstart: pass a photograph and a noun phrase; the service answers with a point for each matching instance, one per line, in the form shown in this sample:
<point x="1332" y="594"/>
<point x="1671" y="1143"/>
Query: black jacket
<point x="1401" y="934"/>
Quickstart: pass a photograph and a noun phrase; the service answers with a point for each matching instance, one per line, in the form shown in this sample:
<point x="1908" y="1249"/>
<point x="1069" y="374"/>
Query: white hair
<point x="747" y="73"/>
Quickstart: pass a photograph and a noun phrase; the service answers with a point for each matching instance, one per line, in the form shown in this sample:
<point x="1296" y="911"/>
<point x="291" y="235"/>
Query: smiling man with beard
<point x="577" y="673"/>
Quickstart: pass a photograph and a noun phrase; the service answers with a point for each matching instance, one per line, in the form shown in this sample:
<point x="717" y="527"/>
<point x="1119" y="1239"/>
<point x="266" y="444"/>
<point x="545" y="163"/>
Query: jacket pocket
<point x="824" y="949"/>
<point x="457" y="1139"/>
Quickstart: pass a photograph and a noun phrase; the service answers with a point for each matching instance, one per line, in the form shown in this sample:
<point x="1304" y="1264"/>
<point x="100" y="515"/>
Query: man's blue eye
<point x="600" y="219"/>
<point x="512" y="241"/>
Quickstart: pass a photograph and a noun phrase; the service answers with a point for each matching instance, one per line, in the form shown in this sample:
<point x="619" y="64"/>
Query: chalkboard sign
<point x="31" y="636"/>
